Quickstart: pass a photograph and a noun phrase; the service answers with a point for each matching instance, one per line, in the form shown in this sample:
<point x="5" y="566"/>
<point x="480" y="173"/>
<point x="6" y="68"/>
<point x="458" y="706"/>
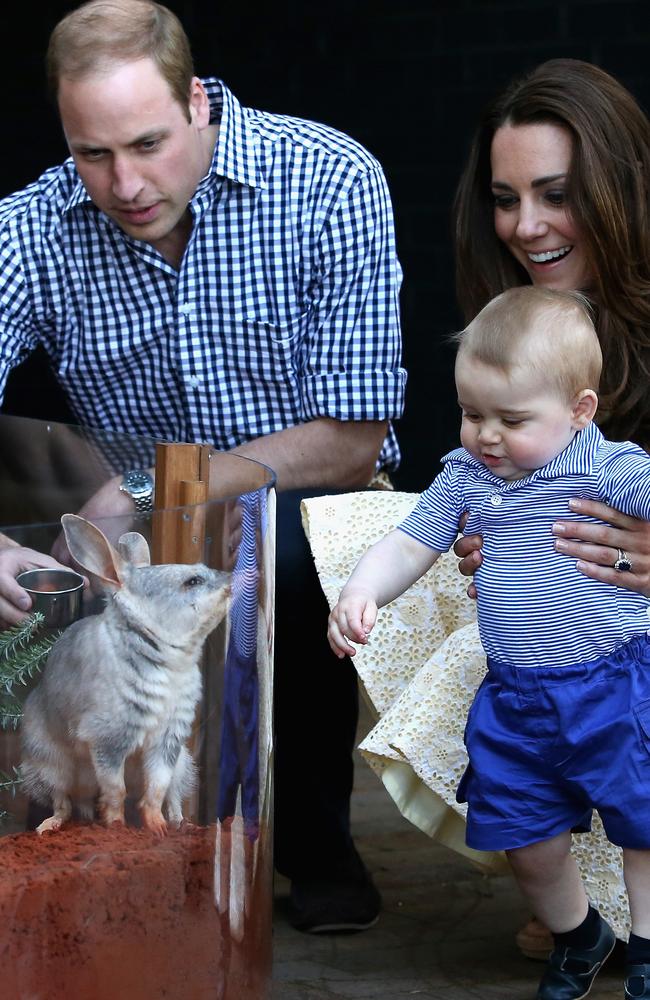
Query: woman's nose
<point x="530" y="222"/>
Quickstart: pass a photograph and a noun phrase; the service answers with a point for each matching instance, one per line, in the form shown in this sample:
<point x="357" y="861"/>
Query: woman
<point x="554" y="193"/>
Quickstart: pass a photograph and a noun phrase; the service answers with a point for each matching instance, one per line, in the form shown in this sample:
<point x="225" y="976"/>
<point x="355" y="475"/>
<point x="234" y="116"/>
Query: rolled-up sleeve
<point x="351" y="369"/>
<point x="17" y="334"/>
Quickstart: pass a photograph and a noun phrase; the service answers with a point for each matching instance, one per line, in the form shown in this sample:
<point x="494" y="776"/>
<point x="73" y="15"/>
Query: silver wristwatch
<point x="139" y="485"/>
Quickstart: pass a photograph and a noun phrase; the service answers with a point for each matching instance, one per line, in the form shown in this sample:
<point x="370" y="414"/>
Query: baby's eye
<point x="193" y="581"/>
<point x="513" y="421"/>
<point x="472" y="417"/>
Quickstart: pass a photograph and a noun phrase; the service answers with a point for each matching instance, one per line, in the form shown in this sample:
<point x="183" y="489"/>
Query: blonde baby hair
<point x="551" y="332"/>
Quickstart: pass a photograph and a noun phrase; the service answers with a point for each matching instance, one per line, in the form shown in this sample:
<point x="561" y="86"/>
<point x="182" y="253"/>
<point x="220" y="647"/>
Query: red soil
<point x="89" y="913"/>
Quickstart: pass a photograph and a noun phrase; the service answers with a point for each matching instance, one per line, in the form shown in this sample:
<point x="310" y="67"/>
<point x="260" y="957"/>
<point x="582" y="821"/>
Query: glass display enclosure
<point x="175" y="900"/>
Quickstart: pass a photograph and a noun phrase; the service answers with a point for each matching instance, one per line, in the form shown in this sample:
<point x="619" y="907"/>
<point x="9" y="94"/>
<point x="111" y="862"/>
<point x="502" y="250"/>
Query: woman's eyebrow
<point x="538" y="182"/>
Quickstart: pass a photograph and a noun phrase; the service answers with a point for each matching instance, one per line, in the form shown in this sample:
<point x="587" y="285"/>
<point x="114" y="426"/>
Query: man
<point x="199" y="271"/>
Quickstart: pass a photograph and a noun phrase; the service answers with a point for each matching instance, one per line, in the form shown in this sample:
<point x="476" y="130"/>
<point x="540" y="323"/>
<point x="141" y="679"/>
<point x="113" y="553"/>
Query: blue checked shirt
<point x="285" y="307"/>
<point x="534" y="607"/>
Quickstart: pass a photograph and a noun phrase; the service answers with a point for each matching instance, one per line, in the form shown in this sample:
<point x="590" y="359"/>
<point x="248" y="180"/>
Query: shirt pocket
<point x="263" y="362"/>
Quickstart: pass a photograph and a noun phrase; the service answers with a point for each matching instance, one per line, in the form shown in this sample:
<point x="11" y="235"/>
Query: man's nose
<point x="126" y="181"/>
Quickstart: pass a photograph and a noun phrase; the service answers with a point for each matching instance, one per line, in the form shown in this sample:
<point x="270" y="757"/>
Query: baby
<point x="561" y="722"/>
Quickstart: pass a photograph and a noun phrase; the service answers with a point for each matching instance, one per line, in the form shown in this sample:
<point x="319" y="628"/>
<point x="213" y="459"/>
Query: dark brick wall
<point x="408" y="80"/>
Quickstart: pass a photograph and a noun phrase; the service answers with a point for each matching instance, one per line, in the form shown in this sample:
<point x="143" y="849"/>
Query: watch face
<point x="137" y="481"/>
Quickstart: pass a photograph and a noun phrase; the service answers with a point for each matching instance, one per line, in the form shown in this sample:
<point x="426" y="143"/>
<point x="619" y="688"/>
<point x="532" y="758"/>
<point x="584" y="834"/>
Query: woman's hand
<point x="468" y="550"/>
<point x="596" y="546"/>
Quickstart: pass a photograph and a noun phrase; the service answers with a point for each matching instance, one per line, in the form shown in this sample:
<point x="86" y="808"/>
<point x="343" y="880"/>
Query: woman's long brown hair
<point x="608" y="198"/>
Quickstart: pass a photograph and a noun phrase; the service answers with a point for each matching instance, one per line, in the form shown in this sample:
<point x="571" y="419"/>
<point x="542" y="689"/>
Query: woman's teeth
<point x="542" y="258"/>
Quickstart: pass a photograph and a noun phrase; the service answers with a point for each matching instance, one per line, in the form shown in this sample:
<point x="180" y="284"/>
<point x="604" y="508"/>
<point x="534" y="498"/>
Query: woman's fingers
<point x="598" y="546"/>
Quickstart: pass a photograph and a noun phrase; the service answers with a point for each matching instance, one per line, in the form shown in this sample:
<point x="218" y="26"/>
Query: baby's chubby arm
<point x="386" y="570"/>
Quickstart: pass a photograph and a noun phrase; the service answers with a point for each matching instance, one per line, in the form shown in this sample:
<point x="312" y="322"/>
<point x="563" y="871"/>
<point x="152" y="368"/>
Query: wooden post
<point x="178" y="535"/>
<point x="182" y="480"/>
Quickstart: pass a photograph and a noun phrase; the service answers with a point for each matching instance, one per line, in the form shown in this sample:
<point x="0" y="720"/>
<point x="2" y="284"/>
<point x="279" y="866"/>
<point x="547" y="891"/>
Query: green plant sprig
<point x="20" y="655"/>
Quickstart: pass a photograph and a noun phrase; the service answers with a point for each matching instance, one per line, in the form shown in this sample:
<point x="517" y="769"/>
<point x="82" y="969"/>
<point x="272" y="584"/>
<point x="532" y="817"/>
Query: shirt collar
<point x="578" y="458"/>
<point x="235" y="151"/>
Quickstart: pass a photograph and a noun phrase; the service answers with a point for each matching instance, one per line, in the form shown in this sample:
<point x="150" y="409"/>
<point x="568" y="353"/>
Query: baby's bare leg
<point x="636" y="869"/>
<point x="548" y="876"/>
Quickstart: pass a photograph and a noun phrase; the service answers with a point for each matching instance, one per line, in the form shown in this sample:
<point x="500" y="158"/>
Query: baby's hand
<point x="351" y="619"/>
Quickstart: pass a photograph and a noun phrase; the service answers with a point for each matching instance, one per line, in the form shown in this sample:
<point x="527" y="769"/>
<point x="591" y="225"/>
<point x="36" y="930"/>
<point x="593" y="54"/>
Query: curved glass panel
<point x="150" y="907"/>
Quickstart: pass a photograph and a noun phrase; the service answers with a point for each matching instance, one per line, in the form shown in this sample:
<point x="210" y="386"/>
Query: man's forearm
<point x="320" y="453"/>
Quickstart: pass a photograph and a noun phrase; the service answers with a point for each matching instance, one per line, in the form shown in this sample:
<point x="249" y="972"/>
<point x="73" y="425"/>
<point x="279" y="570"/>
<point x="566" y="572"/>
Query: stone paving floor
<point x="446" y="931"/>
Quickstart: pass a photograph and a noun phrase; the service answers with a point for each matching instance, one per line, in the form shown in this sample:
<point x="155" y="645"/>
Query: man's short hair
<point x="103" y="33"/>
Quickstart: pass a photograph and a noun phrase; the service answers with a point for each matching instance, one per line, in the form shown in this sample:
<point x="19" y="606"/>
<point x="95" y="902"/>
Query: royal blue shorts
<point x="547" y="745"/>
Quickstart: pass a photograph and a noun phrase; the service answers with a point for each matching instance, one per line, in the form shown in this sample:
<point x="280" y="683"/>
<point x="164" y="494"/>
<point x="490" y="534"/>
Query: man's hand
<point x="15" y="603"/>
<point x="108" y="502"/>
<point x="596" y="546"/>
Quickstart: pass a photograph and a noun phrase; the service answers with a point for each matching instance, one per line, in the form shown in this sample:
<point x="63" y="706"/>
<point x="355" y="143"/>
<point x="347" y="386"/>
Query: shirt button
<point x="194" y="381"/>
<point x="496" y="500"/>
<point x="186" y="309"/>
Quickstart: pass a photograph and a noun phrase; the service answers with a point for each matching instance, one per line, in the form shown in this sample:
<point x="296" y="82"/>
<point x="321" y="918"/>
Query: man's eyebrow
<point x="91" y="147"/>
<point x="538" y="182"/>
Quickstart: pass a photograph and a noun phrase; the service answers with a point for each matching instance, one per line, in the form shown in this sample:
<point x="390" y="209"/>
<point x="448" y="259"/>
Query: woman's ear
<point x="584" y="408"/>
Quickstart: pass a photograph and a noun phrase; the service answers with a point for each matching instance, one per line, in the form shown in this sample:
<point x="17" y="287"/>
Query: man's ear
<point x="584" y="408"/>
<point x="199" y="106"/>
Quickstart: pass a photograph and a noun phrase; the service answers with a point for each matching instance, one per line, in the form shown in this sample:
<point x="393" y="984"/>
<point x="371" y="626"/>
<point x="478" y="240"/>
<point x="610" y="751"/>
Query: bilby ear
<point x="135" y="549"/>
<point x="92" y="550"/>
<point x="584" y="408"/>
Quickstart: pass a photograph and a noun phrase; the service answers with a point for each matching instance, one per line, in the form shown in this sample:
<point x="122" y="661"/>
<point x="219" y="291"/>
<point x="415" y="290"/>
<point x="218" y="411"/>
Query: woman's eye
<point x="556" y="198"/>
<point x="504" y="200"/>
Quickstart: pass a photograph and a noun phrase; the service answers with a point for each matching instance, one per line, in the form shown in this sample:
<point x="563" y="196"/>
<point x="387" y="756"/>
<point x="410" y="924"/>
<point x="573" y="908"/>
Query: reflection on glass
<point x="147" y="908"/>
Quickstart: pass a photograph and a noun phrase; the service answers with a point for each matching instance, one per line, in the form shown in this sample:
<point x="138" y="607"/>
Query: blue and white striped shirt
<point x="285" y="307"/>
<point x="534" y="607"/>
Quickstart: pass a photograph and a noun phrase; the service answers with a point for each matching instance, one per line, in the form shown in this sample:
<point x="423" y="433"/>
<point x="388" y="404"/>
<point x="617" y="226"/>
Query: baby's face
<point x="511" y="422"/>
